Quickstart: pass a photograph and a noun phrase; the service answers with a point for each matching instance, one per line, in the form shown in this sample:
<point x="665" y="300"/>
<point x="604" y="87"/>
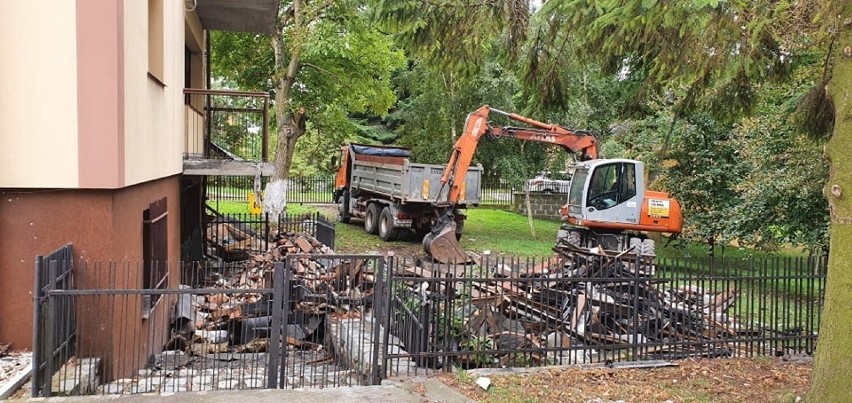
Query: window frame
<point x="156" y="41"/>
<point x="155" y="270"/>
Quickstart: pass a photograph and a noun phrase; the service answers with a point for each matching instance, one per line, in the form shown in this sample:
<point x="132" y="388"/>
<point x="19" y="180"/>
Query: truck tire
<point x="371" y="219"/>
<point x="343" y="208"/>
<point x="386" y="229"/>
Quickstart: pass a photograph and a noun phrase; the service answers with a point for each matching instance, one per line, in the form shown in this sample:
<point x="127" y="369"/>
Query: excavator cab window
<point x="611" y="184"/>
<point x="627" y="184"/>
<point x="575" y="195"/>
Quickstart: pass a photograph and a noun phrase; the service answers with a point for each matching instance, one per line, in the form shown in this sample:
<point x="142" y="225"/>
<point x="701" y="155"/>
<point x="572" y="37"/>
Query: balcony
<point x="227" y="132"/>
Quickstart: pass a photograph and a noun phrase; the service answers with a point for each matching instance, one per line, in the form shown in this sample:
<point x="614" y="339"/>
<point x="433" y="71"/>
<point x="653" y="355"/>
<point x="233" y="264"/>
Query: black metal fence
<point x="54" y="319"/>
<point x="234" y="237"/>
<point x="264" y="325"/>
<point x="318" y="190"/>
<point x="310" y="190"/>
<point x="510" y="312"/>
<point x="226" y="124"/>
<point x="498" y="193"/>
<point x="292" y="320"/>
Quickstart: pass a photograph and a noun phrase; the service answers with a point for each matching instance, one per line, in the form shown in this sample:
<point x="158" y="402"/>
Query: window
<point x="155" y="270"/>
<point x="603" y="191"/>
<point x="612" y="184"/>
<point x="575" y="195"/>
<point x="627" y="187"/>
<point x="155" y="40"/>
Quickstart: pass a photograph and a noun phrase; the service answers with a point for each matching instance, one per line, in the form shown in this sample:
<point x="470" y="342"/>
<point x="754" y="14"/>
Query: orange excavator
<point x="608" y="206"/>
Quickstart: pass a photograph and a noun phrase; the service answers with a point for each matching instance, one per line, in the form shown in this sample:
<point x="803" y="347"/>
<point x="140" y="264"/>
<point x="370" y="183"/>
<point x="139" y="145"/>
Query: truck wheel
<point x="371" y="219"/>
<point x="386" y="229"/>
<point x="343" y="208"/>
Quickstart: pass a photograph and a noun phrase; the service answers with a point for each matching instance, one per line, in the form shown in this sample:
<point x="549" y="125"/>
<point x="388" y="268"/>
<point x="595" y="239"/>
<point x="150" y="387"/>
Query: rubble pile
<point x="239" y="320"/>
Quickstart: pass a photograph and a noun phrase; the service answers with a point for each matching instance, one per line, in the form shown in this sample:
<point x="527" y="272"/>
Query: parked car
<point x="550" y="182"/>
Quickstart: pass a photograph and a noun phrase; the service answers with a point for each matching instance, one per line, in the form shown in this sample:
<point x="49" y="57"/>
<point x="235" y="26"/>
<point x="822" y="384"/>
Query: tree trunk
<point x="833" y="364"/>
<point x="290" y="121"/>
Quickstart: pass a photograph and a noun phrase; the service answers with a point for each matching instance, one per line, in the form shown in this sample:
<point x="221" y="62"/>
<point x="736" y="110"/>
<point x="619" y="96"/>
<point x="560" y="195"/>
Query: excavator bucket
<point x="442" y="245"/>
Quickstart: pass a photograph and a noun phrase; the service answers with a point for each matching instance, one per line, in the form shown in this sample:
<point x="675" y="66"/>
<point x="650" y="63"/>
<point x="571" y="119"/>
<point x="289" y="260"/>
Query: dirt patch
<point x="693" y="380"/>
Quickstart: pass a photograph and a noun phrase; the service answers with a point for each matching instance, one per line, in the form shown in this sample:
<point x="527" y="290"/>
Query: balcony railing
<point x="223" y="124"/>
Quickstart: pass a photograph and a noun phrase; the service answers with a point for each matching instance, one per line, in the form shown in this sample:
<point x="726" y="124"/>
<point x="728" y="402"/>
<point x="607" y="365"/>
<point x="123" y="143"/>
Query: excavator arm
<point x="476" y="126"/>
<point x="440" y="243"/>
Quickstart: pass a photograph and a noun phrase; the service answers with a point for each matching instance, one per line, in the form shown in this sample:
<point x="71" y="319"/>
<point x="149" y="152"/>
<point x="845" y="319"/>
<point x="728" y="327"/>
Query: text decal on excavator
<point x="658" y="208"/>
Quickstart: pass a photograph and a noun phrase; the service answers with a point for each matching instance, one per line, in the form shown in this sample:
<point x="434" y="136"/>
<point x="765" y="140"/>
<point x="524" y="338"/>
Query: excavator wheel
<point x="570" y="237"/>
<point x="649" y="247"/>
<point x="636" y="244"/>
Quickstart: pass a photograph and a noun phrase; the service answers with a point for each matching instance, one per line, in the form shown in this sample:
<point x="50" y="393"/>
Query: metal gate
<point x="54" y="320"/>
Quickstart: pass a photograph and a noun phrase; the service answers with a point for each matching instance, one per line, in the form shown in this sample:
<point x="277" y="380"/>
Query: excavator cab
<point x="607" y="190"/>
<point x="608" y="197"/>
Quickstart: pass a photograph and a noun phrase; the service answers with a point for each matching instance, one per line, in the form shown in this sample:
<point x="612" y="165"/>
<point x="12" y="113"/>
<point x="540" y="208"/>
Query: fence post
<point x="49" y="331"/>
<point x="316" y="224"/>
<point x="449" y="305"/>
<point x="379" y="314"/>
<point x="635" y="341"/>
<point x="285" y="319"/>
<point x="275" y="333"/>
<point x="38" y="329"/>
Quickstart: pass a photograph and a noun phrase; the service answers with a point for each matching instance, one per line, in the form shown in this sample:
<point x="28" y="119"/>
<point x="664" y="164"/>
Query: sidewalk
<point x="415" y="390"/>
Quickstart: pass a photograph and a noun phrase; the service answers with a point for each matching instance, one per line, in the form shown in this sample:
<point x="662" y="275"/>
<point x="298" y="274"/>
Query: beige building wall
<point x="154" y="117"/>
<point x="38" y="108"/>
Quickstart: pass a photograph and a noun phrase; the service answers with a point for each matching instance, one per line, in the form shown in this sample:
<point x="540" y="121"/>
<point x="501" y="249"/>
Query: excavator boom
<point x="441" y="243"/>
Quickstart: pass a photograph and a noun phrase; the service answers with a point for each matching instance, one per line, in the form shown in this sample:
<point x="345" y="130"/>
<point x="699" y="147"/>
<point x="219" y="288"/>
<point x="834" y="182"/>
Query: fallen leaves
<point x="719" y="380"/>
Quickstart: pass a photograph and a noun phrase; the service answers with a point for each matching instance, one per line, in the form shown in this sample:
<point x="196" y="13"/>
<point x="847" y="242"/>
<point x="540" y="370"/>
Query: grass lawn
<point x="505" y="232"/>
<point x="233" y="207"/>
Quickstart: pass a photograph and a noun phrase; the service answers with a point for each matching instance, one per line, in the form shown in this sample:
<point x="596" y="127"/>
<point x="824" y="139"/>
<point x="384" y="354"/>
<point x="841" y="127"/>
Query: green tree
<point x="717" y="52"/>
<point x="323" y="63"/>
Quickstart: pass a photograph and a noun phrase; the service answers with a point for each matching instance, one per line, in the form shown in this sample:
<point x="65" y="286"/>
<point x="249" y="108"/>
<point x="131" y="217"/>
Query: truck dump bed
<point x="387" y="171"/>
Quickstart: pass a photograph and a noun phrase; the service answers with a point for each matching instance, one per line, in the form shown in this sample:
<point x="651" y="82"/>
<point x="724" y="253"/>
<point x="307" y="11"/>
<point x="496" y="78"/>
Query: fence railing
<point x="227" y="124"/>
<point x="265" y="326"/>
<point x="509" y="312"/>
<point x="237" y="236"/>
<point x="318" y="190"/>
<point x="356" y="319"/>
<point x="312" y="190"/>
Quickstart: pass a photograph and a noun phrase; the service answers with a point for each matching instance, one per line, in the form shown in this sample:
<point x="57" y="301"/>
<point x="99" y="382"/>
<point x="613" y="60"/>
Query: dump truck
<point x="393" y="195"/>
